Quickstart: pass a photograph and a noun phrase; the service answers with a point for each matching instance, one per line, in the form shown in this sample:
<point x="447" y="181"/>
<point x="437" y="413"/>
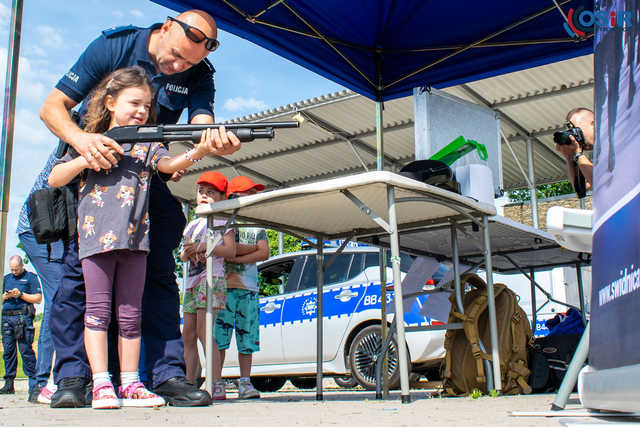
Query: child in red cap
<point x="242" y="311"/>
<point x="211" y="188"/>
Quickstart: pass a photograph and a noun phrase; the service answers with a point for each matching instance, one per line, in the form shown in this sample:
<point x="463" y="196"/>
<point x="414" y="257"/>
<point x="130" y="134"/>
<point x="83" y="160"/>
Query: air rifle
<point x="245" y="132"/>
<point x="133" y="134"/>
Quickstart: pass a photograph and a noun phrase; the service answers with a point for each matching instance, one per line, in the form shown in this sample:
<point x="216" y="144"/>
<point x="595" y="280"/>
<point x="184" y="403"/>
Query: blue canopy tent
<point x="383" y="49"/>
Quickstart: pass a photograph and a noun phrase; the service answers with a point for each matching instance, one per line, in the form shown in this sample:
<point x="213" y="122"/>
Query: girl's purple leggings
<point x="120" y="273"/>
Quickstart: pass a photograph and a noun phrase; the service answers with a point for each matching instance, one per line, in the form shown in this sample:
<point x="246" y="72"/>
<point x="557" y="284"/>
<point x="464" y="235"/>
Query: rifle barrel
<point x="259" y="125"/>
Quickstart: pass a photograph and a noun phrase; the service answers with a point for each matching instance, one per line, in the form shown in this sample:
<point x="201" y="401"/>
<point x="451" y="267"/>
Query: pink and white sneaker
<point x="219" y="391"/>
<point x="136" y="395"/>
<point x="104" y="397"/>
<point x="46" y="392"/>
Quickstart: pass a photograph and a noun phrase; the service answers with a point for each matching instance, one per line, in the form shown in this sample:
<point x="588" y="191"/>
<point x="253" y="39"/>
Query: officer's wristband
<point x="21" y="293"/>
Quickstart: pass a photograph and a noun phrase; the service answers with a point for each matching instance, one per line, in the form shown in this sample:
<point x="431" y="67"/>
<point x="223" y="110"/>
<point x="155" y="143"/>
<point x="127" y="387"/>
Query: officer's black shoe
<point x="8" y="387"/>
<point x="34" y="393"/>
<point x="178" y="392"/>
<point x="73" y="392"/>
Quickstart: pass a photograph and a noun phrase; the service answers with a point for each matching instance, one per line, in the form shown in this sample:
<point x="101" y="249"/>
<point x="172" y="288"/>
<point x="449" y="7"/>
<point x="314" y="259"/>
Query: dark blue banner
<point x="615" y="301"/>
<point x="615" y="298"/>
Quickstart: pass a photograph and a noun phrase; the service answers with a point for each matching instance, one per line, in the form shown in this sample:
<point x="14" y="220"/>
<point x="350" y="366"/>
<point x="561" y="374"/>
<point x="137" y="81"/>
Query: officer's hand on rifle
<point x="98" y="150"/>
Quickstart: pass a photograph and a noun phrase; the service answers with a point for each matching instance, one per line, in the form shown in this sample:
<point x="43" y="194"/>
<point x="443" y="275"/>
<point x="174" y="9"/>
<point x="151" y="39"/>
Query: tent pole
<point x="532" y="184"/>
<point x="493" y="324"/>
<point x="6" y="144"/>
<point x="534" y="309"/>
<point x="379" y="137"/>
<point x="382" y="253"/>
<point x="209" y="319"/>
<point x="320" y="280"/>
<point x="185" y="265"/>
<point x="397" y="290"/>
<point x="382" y="258"/>
<point x="379" y="108"/>
<point x="581" y="292"/>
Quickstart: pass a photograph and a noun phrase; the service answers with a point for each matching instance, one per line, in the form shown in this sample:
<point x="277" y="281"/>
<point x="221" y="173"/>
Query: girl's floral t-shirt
<point x="113" y="205"/>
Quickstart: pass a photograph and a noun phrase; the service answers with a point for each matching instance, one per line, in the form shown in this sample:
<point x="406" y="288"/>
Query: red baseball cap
<point x="240" y="184"/>
<point x="214" y="178"/>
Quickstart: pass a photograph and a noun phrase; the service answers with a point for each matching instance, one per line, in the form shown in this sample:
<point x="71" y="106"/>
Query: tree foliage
<point x="291" y="244"/>
<point x="25" y="258"/>
<point x="543" y="191"/>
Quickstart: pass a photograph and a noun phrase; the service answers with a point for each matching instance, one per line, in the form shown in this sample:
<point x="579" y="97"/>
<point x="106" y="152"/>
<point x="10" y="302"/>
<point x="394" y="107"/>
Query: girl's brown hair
<point x="98" y="117"/>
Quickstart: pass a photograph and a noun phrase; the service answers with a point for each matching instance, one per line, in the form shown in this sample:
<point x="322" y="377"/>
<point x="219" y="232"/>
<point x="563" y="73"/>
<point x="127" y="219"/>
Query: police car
<point x="351" y="311"/>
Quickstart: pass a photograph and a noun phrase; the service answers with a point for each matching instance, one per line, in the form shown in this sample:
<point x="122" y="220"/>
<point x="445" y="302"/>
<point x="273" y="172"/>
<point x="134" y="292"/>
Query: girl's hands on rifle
<point x="206" y="145"/>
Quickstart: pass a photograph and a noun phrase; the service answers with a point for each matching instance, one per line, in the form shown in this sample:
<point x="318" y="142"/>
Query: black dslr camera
<point x="563" y="137"/>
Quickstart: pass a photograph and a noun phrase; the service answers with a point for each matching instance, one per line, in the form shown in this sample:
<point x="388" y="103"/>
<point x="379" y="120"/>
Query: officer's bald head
<point x="15" y="265"/>
<point x="173" y="48"/>
<point x="201" y="20"/>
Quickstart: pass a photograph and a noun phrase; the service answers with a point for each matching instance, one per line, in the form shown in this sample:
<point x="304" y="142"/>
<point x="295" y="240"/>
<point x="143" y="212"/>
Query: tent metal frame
<point x="8" y="122"/>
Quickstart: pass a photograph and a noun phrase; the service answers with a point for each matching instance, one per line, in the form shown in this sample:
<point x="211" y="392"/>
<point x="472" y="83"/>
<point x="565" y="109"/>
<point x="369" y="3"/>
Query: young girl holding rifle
<point x="113" y="227"/>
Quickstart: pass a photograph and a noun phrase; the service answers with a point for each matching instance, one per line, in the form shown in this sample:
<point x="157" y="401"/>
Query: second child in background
<point x="242" y="309"/>
<point x="114" y="229"/>
<point x="211" y="188"/>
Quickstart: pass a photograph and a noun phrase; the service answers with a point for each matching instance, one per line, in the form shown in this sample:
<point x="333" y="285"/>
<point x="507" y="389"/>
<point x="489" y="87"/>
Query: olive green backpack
<point x="463" y="366"/>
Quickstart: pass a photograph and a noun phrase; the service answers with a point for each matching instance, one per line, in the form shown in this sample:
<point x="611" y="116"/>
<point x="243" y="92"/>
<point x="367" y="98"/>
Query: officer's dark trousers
<point x="24" y="343"/>
<point x="164" y="350"/>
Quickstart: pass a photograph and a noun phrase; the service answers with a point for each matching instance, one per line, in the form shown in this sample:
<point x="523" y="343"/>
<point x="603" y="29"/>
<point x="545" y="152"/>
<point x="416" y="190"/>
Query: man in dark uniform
<point x="20" y="290"/>
<point x="173" y="53"/>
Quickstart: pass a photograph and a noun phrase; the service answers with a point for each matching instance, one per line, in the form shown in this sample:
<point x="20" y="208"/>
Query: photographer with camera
<point x="572" y="143"/>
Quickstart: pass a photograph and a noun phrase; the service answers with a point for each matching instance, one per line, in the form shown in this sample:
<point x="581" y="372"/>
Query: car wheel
<point x="268" y="384"/>
<point x="346" y="382"/>
<point x="304" y="383"/>
<point x="362" y="358"/>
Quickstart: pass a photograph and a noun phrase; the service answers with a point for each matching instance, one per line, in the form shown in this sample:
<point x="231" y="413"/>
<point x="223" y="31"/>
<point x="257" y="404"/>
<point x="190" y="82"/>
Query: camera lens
<point x="561" y="138"/>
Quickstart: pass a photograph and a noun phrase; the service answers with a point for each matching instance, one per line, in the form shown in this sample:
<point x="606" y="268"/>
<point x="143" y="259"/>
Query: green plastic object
<point x="458" y="148"/>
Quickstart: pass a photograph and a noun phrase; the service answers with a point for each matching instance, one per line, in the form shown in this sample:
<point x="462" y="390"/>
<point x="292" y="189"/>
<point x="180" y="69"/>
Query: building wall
<point x="521" y="211"/>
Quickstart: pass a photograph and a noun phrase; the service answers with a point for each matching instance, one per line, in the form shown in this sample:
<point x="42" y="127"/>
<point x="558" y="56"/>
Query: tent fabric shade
<point x="384" y="49"/>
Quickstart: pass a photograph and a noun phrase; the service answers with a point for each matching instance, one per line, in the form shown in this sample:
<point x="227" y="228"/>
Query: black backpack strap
<point x="72" y="213"/>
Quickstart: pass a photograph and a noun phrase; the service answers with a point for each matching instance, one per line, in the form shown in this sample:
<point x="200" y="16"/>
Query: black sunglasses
<point x="196" y="35"/>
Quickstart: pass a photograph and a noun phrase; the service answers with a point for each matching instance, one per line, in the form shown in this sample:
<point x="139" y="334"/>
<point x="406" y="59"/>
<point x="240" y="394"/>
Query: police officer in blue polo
<point x="173" y="53"/>
<point x="20" y="290"/>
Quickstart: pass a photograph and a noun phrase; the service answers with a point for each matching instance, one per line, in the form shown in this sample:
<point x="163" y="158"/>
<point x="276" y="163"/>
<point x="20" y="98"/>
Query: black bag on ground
<point x="432" y="172"/>
<point x="549" y="358"/>
<point x="52" y="214"/>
